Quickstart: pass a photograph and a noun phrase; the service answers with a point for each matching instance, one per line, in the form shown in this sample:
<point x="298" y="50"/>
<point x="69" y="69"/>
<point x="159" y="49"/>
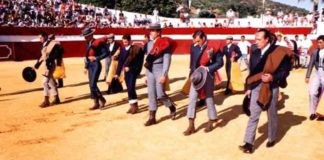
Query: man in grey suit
<point x="157" y="68"/>
<point x="208" y="60"/>
<point x="317" y="84"/>
<point x="265" y="42"/>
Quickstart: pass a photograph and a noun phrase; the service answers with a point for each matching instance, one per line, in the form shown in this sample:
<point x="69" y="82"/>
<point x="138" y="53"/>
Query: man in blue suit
<point x="232" y="53"/>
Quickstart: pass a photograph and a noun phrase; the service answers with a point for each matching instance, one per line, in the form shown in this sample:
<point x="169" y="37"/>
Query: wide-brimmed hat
<point x="88" y="31"/>
<point x="198" y="78"/>
<point x="29" y="74"/>
<point x="246" y="105"/>
<point x="155" y="26"/>
<point x="229" y="37"/>
<point x="111" y="35"/>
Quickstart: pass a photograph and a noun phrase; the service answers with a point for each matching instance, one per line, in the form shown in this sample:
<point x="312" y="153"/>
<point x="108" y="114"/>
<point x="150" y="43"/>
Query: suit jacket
<point x="213" y="65"/>
<point x="228" y="52"/>
<point x="133" y="58"/>
<point x="100" y="51"/>
<point x="314" y="61"/>
<point x="257" y="64"/>
<point x="115" y="48"/>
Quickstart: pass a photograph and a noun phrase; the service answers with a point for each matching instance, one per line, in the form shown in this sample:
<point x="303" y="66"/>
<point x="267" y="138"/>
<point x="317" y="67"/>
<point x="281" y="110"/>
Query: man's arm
<point x="218" y="62"/>
<point x="166" y="63"/>
<point x="311" y="65"/>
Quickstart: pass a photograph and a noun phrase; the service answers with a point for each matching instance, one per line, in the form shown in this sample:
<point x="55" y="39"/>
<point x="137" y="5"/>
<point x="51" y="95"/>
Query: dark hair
<point x="44" y="35"/>
<point x="146" y="36"/>
<point x="242" y="36"/>
<point x="127" y="37"/>
<point x="199" y="33"/>
<point x="268" y="35"/>
<point x="321" y="37"/>
<point x="296" y="35"/>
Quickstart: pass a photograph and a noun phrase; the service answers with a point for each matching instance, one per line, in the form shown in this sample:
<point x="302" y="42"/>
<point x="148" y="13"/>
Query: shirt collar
<point x="127" y="48"/>
<point x="265" y="49"/>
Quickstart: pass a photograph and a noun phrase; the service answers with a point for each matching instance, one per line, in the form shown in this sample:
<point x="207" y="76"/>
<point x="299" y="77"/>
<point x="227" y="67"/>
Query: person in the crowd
<point x="244" y="46"/>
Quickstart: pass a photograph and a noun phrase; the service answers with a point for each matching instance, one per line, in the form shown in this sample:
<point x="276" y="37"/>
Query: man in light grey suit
<point x="112" y="47"/>
<point x="157" y="68"/>
<point x="258" y="82"/>
<point x="317" y="84"/>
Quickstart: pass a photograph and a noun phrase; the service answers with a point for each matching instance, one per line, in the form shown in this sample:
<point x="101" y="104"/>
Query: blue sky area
<point x="307" y="4"/>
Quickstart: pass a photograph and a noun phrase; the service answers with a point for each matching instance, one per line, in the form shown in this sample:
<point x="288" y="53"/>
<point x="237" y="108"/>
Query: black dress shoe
<point x="227" y="92"/>
<point x="247" y="148"/>
<point x="270" y="144"/>
<point x="312" y="117"/>
<point x="321" y="118"/>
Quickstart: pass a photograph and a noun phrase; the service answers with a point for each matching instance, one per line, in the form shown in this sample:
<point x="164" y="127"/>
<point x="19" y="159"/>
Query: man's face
<point x="260" y="41"/>
<point x="154" y="34"/>
<point x="320" y="44"/>
<point x="198" y="40"/>
<point x="125" y="42"/>
<point x="296" y="38"/>
<point x="242" y="38"/>
<point x="42" y="39"/>
<point x="110" y="40"/>
<point x="279" y="38"/>
<point x="229" y="41"/>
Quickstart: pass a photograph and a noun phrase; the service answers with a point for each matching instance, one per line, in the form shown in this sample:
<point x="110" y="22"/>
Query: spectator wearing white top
<point x="306" y="44"/>
<point x="244" y="46"/>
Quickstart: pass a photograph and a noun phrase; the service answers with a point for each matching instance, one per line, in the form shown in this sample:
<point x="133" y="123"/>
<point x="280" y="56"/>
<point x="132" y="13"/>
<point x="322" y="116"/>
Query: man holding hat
<point x="49" y="50"/>
<point x="204" y="62"/>
<point x="232" y="53"/>
<point x="157" y="64"/>
<point x="112" y="47"/>
<point x="96" y="51"/>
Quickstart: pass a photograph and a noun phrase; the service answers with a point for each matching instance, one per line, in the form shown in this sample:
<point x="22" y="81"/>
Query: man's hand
<point x="162" y="79"/>
<point x="145" y="80"/>
<point x="266" y="78"/>
<point x="248" y="93"/>
<point x="92" y="58"/>
<point x="232" y="59"/>
<point x="85" y="71"/>
<point x="307" y="80"/>
<point x="116" y="76"/>
<point x="205" y="67"/>
<point x="126" y="69"/>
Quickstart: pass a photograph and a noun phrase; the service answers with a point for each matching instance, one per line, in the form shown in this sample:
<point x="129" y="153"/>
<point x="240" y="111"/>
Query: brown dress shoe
<point x="46" y="102"/>
<point x="102" y="102"/>
<point x="173" y="112"/>
<point x="133" y="109"/>
<point x="151" y="120"/>
<point x="95" y="105"/>
<point x="56" y="100"/>
<point x="191" y="128"/>
<point x="246" y="148"/>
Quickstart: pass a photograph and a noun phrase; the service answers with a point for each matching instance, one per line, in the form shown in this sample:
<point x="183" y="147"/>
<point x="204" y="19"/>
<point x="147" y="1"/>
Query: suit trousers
<point x="193" y="96"/>
<point x="93" y="73"/>
<point x="317" y="81"/>
<point x="49" y="85"/>
<point x="155" y="88"/>
<point x="255" y="115"/>
<point x="130" y="79"/>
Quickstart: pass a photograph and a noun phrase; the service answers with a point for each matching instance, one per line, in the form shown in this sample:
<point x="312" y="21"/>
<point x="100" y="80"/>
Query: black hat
<point x="199" y="77"/>
<point x="88" y="31"/>
<point x="29" y="74"/>
<point x="155" y="26"/>
<point x="246" y="105"/>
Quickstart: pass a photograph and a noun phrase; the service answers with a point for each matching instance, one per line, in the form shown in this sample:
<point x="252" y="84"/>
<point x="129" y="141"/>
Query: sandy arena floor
<point x="70" y="131"/>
